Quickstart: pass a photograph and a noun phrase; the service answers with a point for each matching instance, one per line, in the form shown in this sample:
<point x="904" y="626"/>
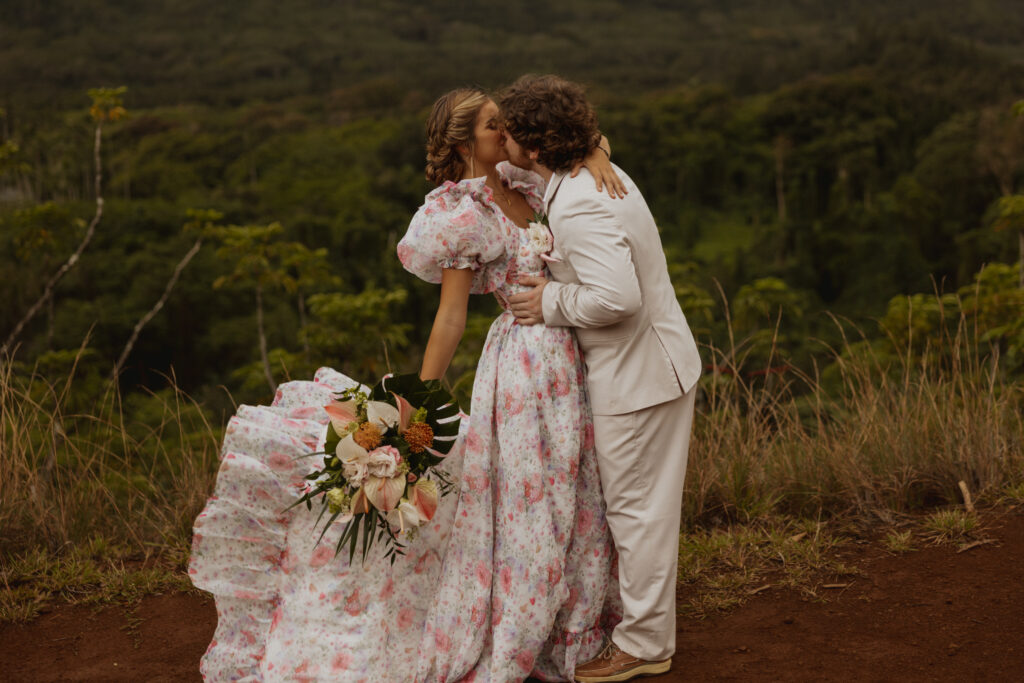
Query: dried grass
<point x="873" y="434"/>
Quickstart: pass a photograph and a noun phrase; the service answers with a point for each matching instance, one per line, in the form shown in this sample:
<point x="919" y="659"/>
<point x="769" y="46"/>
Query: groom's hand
<point x="527" y="306"/>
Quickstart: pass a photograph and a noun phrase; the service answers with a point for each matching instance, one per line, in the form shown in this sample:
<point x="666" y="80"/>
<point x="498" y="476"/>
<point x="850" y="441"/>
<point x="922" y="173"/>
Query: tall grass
<point x="876" y="431"/>
<point x="881" y="430"/>
<point x="79" y="464"/>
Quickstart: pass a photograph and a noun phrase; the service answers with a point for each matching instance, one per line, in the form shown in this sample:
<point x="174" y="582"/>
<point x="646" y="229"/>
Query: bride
<point x="512" y="577"/>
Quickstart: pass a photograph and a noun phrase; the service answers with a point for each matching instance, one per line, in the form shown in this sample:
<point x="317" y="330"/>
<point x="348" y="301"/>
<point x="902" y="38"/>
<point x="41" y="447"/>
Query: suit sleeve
<point x="594" y="243"/>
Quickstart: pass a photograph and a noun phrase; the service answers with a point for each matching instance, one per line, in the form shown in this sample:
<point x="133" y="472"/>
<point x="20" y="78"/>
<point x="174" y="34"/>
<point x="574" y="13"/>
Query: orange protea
<point x="418" y="435"/>
<point x="368" y="436"/>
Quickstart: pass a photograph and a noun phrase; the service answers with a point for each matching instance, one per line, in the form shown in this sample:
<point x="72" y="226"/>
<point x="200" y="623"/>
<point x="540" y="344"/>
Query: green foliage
<point x="994" y="304"/>
<point x="355" y="331"/>
<point x="1010" y="213"/>
<point x="285" y="365"/>
<point x="777" y="189"/>
<point x="256" y="257"/>
<point x="107" y="104"/>
<point x="986" y="312"/>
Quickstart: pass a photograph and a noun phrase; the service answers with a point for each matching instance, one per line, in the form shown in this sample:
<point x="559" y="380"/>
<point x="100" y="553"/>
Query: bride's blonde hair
<point x="451" y="124"/>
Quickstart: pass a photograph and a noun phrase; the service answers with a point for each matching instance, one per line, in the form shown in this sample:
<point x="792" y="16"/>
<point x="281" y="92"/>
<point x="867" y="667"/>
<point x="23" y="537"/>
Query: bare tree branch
<point x="156" y="308"/>
<point x="73" y="259"/>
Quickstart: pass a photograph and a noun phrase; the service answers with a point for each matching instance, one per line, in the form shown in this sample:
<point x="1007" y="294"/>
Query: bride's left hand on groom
<point x="527" y="306"/>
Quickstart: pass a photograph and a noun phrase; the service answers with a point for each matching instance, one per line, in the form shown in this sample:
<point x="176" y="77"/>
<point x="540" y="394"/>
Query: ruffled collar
<point x="527" y="182"/>
<point x="450" y="193"/>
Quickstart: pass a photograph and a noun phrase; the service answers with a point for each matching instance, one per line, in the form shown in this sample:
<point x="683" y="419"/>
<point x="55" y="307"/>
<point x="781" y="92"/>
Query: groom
<point x="610" y="282"/>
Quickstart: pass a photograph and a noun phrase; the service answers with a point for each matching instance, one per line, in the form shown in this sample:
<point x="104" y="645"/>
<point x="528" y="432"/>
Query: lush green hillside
<point x="804" y="157"/>
<point x="392" y="52"/>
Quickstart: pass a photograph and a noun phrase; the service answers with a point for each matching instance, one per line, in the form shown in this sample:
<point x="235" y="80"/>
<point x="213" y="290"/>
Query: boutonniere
<point x="541" y="239"/>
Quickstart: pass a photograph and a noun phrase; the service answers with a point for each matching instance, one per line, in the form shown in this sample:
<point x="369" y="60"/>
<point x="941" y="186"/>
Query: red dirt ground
<point x="931" y="615"/>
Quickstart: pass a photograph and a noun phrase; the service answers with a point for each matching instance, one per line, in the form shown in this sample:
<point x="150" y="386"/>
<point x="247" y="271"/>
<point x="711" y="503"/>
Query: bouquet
<point x="380" y="455"/>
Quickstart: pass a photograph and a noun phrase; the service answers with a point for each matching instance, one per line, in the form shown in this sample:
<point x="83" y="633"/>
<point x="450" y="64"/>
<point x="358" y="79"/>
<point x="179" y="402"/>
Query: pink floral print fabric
<point x="288" y="609"/>
<point x="460" y="226"/>
<point x="526" y="575"/>
<point x="512" y="578"/>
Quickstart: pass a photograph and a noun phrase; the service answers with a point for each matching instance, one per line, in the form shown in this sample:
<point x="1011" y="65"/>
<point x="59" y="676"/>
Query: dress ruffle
<point x="287" y="608"/>
<point x="529" y="183"/>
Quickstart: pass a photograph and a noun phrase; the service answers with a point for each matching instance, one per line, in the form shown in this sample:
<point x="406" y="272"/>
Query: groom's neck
<point x="543" y="171"/>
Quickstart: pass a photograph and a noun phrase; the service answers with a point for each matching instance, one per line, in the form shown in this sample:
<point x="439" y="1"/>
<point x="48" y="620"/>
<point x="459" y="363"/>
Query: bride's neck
<point x="490" y="171"/>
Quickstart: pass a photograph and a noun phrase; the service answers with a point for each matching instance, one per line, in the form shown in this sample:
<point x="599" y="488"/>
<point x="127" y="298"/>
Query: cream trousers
<point x="642" y="460"/>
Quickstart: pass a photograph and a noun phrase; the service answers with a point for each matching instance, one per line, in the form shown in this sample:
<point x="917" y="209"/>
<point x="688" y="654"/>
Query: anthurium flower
<point x="382" y="414"/>
<point x="404" y="516"/>
<point x="341" y="413"/>
<point x="348" y="449"/>
<point x="384" y="493"/>
<point x="360" y="503"/>
<point x="423" y="495"/>
<point x="405" y="412"/>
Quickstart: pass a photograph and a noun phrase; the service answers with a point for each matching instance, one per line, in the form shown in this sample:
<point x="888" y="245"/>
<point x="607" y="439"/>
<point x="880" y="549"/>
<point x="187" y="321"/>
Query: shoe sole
<point x="651" y="669"/>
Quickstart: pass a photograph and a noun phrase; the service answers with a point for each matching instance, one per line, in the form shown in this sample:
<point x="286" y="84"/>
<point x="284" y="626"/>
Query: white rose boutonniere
<point x="541" y="239"/>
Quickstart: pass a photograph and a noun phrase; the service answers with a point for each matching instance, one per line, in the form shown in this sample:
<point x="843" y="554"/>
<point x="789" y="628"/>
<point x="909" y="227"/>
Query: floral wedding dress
<point x="511" y="578"/>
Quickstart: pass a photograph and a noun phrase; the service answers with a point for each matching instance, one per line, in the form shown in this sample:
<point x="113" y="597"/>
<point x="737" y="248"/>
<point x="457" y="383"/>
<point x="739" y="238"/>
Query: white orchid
<point x="355" y="472"/>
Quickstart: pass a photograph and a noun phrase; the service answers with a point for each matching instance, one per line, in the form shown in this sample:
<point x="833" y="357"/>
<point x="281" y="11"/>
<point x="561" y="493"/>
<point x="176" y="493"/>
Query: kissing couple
<point x="555" y="556"/>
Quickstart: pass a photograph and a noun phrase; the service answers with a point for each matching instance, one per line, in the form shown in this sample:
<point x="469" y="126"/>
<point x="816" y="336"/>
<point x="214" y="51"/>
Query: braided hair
<point x="451" y="124"/>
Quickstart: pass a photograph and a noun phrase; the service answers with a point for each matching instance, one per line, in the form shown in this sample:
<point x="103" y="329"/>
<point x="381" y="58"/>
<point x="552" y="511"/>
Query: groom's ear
<point x="533" y="154"/>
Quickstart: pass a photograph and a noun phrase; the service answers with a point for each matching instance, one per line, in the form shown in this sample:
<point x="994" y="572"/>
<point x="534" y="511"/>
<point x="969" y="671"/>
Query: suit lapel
<point x="552" y="188"/>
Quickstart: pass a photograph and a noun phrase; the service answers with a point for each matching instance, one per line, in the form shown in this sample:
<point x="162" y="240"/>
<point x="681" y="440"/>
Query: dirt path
<point x="931" y="615"/>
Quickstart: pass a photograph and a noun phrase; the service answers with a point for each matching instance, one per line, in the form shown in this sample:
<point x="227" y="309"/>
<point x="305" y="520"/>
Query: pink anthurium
<point x="424" y="496"/>
<point x="341" y="414"/>
<point x="360" y="504"/>
<point x="405" y="412"/>
<point x="384" y="493"/>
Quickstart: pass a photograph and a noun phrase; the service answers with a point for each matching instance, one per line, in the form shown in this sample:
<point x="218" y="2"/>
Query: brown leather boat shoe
<point x="615" y="665"/>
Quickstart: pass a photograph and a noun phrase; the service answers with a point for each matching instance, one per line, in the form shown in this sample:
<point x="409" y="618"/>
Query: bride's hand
<point x="599" y="163"/>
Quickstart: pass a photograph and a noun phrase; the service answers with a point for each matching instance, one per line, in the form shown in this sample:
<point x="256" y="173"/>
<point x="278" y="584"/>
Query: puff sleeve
<point x="458" y="226"/>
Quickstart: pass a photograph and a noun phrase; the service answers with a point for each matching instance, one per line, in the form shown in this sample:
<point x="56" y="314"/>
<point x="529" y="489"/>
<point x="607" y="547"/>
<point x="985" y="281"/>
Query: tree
<point x="357" y="326"/>
<point x="1010" y="216"/>
<point x="261" y="262"/>
<point x="106" y="106"/>
<point x="312" y="273"/>
<point x="202" y="223"/>
<point x="1001" y="148"/>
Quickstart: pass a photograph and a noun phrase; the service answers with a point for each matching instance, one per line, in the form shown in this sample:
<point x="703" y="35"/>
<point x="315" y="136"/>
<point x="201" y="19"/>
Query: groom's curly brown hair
<point x="551" y="115"/>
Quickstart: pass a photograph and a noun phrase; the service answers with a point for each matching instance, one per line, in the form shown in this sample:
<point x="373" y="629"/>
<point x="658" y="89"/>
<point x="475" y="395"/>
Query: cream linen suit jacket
<point x="610" y="282"/>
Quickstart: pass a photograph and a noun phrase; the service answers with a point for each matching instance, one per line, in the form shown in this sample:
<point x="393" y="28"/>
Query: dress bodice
<point x="461" y="226"/>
